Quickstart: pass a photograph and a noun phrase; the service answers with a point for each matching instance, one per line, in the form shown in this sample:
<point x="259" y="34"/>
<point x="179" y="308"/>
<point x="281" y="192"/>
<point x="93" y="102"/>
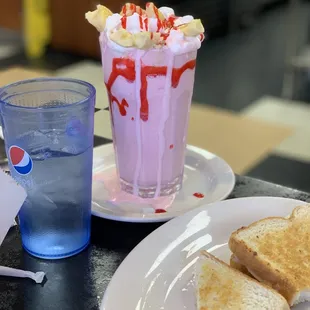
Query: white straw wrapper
<point x="12" y="197"/>
<point x="12" y="272"/>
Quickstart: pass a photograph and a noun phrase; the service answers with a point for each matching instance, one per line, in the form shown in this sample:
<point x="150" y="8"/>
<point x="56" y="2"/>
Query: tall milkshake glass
<point x="150" y="92"/>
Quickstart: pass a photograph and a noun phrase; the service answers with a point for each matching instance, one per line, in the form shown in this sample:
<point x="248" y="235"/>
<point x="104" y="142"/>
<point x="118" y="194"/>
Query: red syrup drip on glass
<point x="125" y="67"/>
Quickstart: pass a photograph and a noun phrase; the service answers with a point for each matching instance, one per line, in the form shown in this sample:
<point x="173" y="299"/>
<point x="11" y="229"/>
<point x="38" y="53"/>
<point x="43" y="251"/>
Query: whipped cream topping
<point x="133" y="23"/>
<point x="113" y="22"/>
<point x="160" y="28"/>
<point x="167" y="12"/>
<point x="183" y="20"/>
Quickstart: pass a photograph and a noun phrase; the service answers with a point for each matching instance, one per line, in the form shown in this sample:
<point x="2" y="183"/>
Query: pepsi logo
<point x="20" y="160"/>
<point x="74" y="127"/>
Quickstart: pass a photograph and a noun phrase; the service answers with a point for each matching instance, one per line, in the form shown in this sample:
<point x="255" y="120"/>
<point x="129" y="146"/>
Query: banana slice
<point x="156" y="38"/>
<point x="140" y="11"/>
<point x="122" y="37"/>
<point x="142" y="40"/>
<point x="98" y="17"/>
<point x="128" y="9"/>
<point x="193" y="28"/>
<point x="153" y="12"/>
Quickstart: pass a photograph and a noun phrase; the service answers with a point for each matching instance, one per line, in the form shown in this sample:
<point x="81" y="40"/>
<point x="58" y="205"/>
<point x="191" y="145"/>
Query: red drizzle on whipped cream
<point x="135" y="19"/>
<point x="147" y="28"/>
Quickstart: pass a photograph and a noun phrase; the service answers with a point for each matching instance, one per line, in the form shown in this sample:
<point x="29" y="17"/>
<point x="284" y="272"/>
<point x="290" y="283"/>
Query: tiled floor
<point x="289" y="163"/>
<point x="290" y="113"/>
<point x="242" y="73"/>
<point x="103" y="124"/>
<point x="241" y="141"/>
<point x="91" y="72"/>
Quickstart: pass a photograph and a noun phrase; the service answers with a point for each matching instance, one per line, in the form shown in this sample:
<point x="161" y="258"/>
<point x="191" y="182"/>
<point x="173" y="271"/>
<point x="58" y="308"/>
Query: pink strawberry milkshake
<point x="150" y="92"/>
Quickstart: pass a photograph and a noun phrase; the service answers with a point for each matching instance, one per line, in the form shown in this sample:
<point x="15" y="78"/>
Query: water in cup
<point x="49" y="152"/>
<point x="61" y="221"/>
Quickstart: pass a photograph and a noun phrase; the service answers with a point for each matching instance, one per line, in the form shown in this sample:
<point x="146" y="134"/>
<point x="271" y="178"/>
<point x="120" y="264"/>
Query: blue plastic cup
<point x="48" y="127"/>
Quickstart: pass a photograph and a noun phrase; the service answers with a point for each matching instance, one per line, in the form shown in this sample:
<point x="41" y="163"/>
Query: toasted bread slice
<point x="276" y="251"/>
<point x="235" y="263"/>
<point x="221" y="287"/>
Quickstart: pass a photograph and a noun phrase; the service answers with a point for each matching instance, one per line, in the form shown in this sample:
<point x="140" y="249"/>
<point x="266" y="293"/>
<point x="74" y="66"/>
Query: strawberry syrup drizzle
<point x="177" y="72"/>
<point x="124" y="21"/>
<point x="132" y="7"/>
<point x="141" y="22"/>
<point x="198" y="195"/>
<point x="160" y="211"/>
<point x="159" y="24"/>
<point x="146" y="24"/>
<point x="145" y="72"/>
<point x="156" y="12"/>
<point x="171" y="20"/>
<point x="165" y="35"/>
<point x="139" y="10"/>
<point x="127" y="71"/>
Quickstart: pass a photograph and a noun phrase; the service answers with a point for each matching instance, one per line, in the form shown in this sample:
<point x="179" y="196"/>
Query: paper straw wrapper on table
<point x="12" y="197"/>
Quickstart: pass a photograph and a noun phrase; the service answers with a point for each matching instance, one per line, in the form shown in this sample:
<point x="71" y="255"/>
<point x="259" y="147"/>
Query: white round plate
<point x="158" y="273"/>
<point x="204" y="173"/>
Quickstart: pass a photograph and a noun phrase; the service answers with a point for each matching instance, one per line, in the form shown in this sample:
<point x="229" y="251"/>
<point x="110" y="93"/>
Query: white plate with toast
<point x="159" y="273"/>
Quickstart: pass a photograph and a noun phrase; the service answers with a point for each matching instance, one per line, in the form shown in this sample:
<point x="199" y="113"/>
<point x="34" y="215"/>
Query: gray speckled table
<point x="79" y="282"/>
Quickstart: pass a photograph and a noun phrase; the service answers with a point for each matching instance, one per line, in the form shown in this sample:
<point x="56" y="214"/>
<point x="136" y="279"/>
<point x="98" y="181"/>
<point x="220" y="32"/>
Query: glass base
<point x="59" y="256"/>
<point x="149" y="192"/>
